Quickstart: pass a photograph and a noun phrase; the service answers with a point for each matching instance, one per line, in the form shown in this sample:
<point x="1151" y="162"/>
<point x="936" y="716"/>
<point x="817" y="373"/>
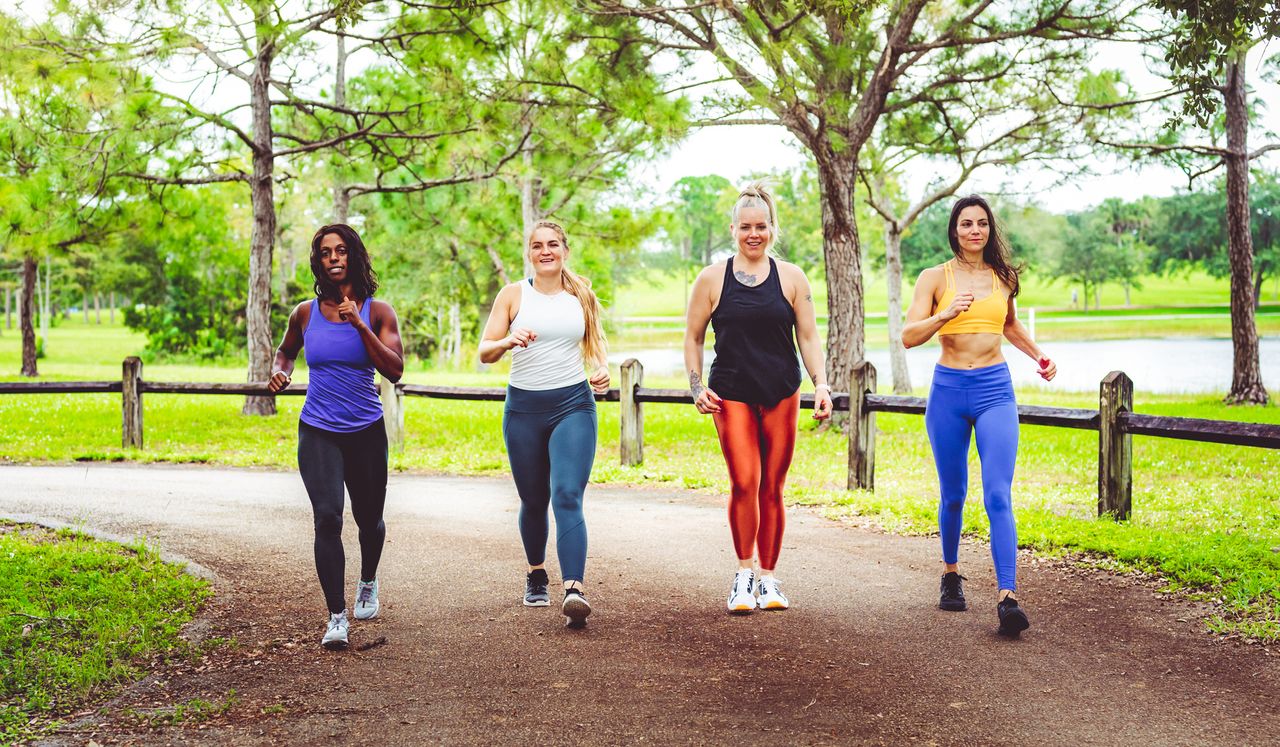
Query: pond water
<point x="1170" y="366"/>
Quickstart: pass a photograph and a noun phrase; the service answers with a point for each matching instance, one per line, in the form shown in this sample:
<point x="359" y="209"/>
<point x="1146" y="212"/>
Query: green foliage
<point x="77" y="616"/>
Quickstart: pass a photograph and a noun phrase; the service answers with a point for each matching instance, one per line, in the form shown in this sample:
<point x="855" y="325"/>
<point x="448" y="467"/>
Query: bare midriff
<point x="970" y="350"/>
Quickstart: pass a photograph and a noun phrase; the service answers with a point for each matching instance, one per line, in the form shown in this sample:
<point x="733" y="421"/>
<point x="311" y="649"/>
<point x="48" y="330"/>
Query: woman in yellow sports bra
<point x="968" y="302"/>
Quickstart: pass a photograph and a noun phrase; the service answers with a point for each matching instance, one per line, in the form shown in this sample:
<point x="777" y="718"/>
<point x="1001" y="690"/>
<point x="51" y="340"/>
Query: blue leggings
<point x="551" y="442"/>
<point x="978" y="400"/>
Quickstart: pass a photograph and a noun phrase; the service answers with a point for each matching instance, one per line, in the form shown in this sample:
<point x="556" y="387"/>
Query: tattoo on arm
<point x="745" y="279"/>
<point x="808" y="297"/>
<point x="695" y="385"/>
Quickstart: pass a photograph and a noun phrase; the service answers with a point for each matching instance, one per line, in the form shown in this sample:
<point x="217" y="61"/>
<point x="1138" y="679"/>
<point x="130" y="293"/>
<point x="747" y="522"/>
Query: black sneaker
<point x="575" y="608"/>
<point x="1012" y="619"/>
<point x="952" y="593"/>
<point x="535" y="589"/>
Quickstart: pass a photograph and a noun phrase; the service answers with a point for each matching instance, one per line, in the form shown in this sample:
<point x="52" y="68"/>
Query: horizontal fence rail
<point x="1114" y="420"/>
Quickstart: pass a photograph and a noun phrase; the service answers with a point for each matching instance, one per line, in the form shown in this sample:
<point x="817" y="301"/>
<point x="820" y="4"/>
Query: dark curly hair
<point x="364" y="281"/>
<point x="996" y="253"/>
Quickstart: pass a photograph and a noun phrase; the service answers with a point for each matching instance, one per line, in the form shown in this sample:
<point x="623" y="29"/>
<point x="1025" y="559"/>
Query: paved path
<point x="862" y="658"/>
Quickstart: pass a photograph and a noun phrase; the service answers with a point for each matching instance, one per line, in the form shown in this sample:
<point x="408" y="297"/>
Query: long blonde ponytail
<point x="594" y="349"/>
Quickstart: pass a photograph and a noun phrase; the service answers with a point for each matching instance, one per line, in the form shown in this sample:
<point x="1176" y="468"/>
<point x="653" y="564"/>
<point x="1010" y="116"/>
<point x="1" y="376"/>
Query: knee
<point x="997" y="502"/>
<point x="328" y="522"/>
<point x="953" y="501"/>
<point x="566" y="501"/>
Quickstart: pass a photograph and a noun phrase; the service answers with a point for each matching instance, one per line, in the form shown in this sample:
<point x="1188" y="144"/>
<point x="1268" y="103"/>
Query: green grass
<point x="78" y="616"/>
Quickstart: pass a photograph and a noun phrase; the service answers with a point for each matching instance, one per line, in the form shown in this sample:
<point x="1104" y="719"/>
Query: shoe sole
<point x="334" y="645"/>
<point x="953" y="606"/>
<point x="369" y="616"/>
<point x="576" y="610"/>
<point x="539" y="603"/>
<point x="741" y="609"/>
<point x="774" y="607"/>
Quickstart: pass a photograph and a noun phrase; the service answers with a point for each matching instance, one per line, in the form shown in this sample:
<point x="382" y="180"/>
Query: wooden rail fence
<point x="1114" y="420"/>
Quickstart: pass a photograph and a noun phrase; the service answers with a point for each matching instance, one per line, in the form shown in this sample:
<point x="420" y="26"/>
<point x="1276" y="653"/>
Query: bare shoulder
<point x="931" y="275"/>
<point x="790" y="271"/>
<point x="301" y="311"/>
<point x="382" y="307"/>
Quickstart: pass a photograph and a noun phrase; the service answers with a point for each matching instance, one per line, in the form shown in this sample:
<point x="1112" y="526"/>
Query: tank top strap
<point x="995" y="281"/>
<point x="315" y="309"/>
<point x="950" y="275"/>
<point x="728" y="286"/>
<point x="366" y="312"/>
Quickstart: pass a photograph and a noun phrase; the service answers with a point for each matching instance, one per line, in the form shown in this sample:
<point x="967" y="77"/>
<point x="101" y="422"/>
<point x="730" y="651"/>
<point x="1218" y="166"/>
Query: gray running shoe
<point x="335" y="633"/>
<point x="367" y="600"/>
<point x="575" y="608"/>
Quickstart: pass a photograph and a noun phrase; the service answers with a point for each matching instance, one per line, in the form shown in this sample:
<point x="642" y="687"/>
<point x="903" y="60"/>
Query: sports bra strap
<point x="949" y="274"/>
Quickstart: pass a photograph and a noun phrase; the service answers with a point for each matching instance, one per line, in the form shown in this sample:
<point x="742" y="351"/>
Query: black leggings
<point x="327" y="460"/>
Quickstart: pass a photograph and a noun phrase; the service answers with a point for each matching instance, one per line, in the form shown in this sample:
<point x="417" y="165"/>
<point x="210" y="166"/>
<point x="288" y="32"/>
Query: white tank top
<point x="554" y="359"/>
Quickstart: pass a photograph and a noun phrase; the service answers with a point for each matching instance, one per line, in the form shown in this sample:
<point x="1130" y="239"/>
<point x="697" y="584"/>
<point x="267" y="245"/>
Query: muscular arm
<point x="922" y="324"/>
<point x="1018" y="336"/>
<point x="287" y="353"/>
<point x="384" y="344"/>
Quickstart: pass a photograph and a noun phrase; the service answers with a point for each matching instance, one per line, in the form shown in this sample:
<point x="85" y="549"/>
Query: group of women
<point x="762" y="312"/>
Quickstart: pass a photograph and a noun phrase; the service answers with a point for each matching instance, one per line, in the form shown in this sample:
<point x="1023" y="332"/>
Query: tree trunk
<point x="26" y="312"/>
<point x="111" y="309"/>
<point x="97" y="307"/>
<point x="85" y="307"/>
<point x="842" y="257"/>
<point x="1126" y="294"/>
<point x="1246" y="374"/>
<point x="258" y="308"/>
<point x="1097" y="297"/>
<point x="893" y="276"/>
<point x="530" y="190"/>
<point x="8" y="308"/>
<point x="341" y="198"/>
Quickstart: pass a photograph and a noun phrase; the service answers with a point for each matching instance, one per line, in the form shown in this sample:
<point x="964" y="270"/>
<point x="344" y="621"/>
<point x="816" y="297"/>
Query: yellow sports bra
<point x="986" y="314"/>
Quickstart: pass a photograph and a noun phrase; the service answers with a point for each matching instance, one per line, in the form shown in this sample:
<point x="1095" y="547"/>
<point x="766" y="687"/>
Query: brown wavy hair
<point x="996" y="253"/>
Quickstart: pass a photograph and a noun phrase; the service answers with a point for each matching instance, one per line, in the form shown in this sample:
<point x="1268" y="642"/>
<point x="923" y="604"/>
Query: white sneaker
<point x="741" y="600"/>
<point x="771" y="597"/>
<point x="335" y="634"/>
<point x="366" y="600"/>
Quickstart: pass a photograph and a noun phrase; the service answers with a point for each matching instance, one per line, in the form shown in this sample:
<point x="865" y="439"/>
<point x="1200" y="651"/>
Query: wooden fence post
<point x="392" y="413"/>
<point x="862" y="429"/>
<point x="131" y="397"/>
<point x="1115" y="448"/>
<point x="632" y="441"/>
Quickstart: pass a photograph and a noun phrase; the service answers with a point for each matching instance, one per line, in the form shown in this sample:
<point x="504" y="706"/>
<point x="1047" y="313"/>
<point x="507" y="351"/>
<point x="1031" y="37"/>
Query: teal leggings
<point x="551" y="443"/>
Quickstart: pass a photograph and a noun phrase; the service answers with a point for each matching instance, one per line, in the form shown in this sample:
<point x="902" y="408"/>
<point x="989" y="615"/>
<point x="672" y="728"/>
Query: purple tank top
<point x="341" y="395"/>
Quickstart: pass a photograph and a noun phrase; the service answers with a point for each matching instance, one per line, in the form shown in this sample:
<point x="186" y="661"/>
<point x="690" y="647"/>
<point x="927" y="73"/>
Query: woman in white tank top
<point x="551" y="323"/>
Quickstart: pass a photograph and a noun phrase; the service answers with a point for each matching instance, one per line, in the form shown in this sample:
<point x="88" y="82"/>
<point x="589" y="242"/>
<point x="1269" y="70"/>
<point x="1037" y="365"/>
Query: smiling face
<point x="973" y="228"/>
<point x="752" y="232"/>
<point x="333" y="258"/>
<point x="547" y="251"/>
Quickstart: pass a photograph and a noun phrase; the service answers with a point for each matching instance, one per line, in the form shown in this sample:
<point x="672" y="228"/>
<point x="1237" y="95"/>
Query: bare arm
<point x="287" y="353"/>
<point x="695" y="337"/>
<point x="1020" y="338"/>
<point x="494" y="341"/>
<point x="922" y="324"/>
<point x="810" y="343"/>
<point x="384" y="346"/>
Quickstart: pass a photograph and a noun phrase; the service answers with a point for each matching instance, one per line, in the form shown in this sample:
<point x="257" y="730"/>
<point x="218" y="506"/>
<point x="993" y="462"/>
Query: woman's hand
<point x="600" y="379"/>
<point x="1048" y="369"/>
<point x="707" y="401"/>
<point x="520" y="337"/>
<point x="279" y="380"/>
<point x="822" y="405"/>
<point x="958" y="306"/>
<point x="348" y="313"/>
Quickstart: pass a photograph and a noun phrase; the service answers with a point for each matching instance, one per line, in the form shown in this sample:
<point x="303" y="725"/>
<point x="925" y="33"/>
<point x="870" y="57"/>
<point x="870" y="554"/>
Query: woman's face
<point x="547" y="252"/>
<point x="333" y="258"/>
<point x="972" y="228"/>
<point x="751" y="231"/>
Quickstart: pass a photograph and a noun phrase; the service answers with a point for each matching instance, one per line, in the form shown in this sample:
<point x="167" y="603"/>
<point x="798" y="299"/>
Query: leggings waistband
<point x="550" y="400"/>
<point x="968" y="378"/>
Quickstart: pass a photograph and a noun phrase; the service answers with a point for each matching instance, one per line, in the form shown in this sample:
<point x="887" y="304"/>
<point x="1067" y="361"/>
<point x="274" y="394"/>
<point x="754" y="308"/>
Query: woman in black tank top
<point x="760" y="309"/>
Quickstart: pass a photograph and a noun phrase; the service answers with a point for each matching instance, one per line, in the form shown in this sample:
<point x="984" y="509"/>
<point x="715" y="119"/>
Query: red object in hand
<point x="1044" y="362"/>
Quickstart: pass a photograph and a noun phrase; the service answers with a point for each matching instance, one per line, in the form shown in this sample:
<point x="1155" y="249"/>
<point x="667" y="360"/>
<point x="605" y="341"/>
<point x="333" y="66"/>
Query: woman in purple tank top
<point x="341" y="437"/>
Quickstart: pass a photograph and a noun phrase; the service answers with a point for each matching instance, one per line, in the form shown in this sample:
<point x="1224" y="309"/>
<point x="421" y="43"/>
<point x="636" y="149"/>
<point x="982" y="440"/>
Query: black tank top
<point x="755" y="344"/>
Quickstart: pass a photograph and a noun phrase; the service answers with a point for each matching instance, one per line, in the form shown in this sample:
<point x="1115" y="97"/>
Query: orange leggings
<point x="757" y="442"/>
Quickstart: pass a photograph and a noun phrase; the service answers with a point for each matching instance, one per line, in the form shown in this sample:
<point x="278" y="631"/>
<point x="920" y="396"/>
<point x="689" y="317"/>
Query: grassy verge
<point x="1206" y="517"/>
<point x="77" y="616"/>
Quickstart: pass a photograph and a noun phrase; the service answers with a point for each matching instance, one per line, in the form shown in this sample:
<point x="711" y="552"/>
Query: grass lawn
<point x="1206" y="517"/>
<point x="77" y="616"/>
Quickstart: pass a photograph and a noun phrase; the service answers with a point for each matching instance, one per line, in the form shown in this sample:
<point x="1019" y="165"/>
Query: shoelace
<point x="768" y="587"/>
<point x="366" y="593"/>
<point x="742" y="583"/>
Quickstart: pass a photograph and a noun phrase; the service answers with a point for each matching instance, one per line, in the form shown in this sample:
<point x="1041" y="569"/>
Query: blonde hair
<point x="593" y="342"/>
<point x="756" y="195"/>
